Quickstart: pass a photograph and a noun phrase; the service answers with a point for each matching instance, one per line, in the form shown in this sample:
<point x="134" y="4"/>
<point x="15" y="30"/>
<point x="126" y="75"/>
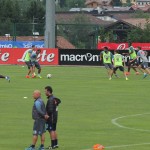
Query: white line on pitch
<point x="114" y="121"/>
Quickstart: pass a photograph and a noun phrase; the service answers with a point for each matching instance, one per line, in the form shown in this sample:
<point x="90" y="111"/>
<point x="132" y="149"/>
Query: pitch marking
<point x="114" y="121"/>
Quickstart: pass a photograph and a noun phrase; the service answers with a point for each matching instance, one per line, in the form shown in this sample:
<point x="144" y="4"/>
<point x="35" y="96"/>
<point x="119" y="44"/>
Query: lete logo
<point x="121" y="46"/>
<point x="41" y="57"/>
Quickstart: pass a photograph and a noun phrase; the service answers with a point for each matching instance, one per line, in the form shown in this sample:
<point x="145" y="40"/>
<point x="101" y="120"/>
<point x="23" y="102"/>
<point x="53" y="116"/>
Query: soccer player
<point x="39" y="116"/>
<point x="52" y="112"/>
<point x="118" y="63"/>
<point x="27" y="60"/>
<point x="144" y="65"/>
<point x="107" y="57"/>
<point x="133" y="63"/>
<point x="5" y="77"/>
<point x="35" y="63"/>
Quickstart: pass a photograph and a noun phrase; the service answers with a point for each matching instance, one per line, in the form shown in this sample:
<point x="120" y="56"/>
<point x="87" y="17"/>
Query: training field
<point x="94" y="110"/>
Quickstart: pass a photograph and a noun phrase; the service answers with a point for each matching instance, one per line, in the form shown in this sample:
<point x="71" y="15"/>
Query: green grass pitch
<point x="89" y="104"/>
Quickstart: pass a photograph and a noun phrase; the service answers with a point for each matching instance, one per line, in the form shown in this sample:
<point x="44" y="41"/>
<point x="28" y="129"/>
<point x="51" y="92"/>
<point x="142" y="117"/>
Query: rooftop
<point x="140" y="22"/>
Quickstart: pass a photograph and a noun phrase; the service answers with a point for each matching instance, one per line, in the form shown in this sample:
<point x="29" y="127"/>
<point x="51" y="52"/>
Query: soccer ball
<point x="98" y="147"/>
<point x="49" y="76"/>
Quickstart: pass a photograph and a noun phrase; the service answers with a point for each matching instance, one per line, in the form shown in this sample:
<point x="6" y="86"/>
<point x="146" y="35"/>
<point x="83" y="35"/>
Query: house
<point x="63" y="43"/>
<point x="132" y="1"/>
<point x="142" y="2"/>
<point x="144" y="8"/>
<point x="69" y="18"/>
<point x="98" y="3"/>
<point x="137" y="22"/>
<point x="117" y="29"/>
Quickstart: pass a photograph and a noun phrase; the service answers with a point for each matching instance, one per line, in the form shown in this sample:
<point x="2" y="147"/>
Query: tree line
<point x="23" y="17"/>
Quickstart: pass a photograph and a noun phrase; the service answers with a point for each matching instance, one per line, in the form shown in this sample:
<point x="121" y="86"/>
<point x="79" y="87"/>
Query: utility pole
<point x="50" y="24"/>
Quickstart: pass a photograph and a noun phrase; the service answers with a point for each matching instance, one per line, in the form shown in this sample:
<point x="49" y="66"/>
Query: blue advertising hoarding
<point x="21" y="44"/>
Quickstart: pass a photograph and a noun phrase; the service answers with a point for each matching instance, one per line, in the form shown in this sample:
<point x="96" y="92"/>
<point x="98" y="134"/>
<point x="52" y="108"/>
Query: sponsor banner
<point x="144" y="46"/>
<point x="79" y="57"/>
<point x="21" y="44"/>
<point x="86" y="57"/>
<point x="16" y="56"/>
<point x="112" y="46"/>
<point x="122" y="46"/>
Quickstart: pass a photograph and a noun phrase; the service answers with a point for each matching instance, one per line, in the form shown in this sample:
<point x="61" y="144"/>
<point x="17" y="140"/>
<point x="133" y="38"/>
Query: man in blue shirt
<point x="39" y="116"/>
<point x="35" y="63"/>
<point x="144" y="65"/>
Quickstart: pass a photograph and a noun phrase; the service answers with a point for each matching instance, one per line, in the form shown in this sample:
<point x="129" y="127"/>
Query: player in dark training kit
<point x="52" y="112"/>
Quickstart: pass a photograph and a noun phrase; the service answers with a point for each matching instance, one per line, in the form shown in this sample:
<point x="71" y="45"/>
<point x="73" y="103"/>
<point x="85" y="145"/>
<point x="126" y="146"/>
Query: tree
<point x="62" y="3"/>
<point x="35" y="11"/>
<point x="117" y="3"/>
<point x="65" y="5"/>
<point x="128" y="3"/>
<point x="9" y="9"/>
<point x="141" y="14"/>
<point x="9" y="13"/>
<point x="77" y="31"/>
<point x="75" y="3"/>
<point x="140" y="35"/>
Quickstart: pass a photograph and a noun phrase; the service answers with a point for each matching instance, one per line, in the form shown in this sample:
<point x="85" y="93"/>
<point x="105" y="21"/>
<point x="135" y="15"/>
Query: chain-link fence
<point x="81" y="36"/>
<point x="22" y="31"/>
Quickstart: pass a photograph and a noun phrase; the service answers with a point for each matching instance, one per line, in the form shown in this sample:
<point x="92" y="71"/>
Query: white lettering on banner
<point x="79" y="57"/>
<point x="50" y="57"/>
<point x="6" y="45"/>
<point x="29" y="45"/>
<point x="4" y="57"/>
<point x="121" y="46"/>
<point x="23" y="56"/>
<point x="43" y="57"/>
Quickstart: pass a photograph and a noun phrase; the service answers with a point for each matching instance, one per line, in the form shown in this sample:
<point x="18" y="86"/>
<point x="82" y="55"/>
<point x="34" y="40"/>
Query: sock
<point x="52" y="143"/>
<point x="56" y="141"/>
<point x="1" y="76"/>
<point x="32" y="146"/>
<point x="42" y="145"/>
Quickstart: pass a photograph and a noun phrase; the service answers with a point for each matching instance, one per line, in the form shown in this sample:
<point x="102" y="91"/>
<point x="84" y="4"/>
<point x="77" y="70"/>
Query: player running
<point x="133" y="62"/>
<point x="35" y="64"/>
<point x="144" y="65"/>
<point x="27" y="60"/>
<point x="107" y="57"/>
<point x="118" y="63"/>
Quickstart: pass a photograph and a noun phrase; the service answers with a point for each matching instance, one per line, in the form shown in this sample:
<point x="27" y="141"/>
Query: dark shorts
<point x="36" y="64"/>
<point x="108" y="66"/>
<point x="134" y="63"/>
<point x="39" y="127"/>
<point x="144" y="65"/>
<point x="51" y="126"/>
<point x="121" y="68"/>
<point x="28" y="63"/>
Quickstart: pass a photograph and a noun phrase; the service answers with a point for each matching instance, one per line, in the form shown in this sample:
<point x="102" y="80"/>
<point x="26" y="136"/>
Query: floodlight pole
<point x="50" y="24"/>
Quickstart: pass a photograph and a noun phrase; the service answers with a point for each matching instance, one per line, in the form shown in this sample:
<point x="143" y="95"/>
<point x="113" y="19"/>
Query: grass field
<point x="94" y="110"/>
